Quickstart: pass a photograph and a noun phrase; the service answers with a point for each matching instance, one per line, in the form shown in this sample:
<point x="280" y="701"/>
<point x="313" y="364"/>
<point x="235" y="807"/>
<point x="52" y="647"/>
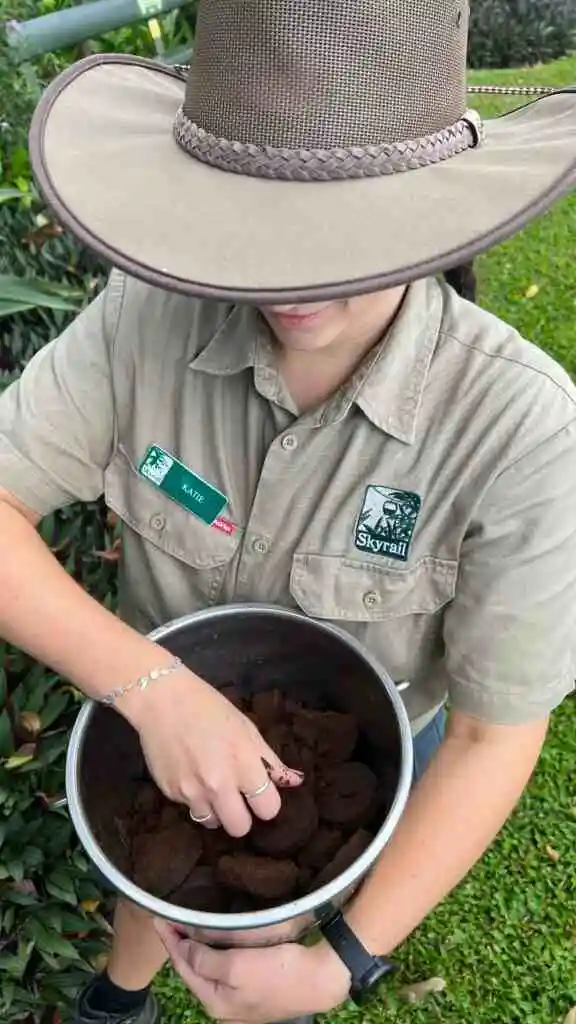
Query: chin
<point x="301" y="343"/>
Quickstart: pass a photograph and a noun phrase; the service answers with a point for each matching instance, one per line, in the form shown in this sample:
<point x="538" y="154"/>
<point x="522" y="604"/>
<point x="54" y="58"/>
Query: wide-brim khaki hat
<point x="315" y="149"/>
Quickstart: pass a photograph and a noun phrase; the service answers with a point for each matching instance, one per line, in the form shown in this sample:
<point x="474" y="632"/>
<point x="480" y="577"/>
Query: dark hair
<point x="463" y="280"/>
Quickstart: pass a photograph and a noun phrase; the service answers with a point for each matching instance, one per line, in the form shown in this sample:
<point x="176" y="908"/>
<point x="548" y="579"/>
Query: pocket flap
<point x="328" y="587"/>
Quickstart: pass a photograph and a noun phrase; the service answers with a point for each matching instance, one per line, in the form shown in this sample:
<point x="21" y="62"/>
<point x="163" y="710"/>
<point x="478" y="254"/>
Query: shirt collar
<point x="242" y="341"/>
<point x="390" y="393"/>
<point x="387" y="386"/>
<point x="234" y="346"/>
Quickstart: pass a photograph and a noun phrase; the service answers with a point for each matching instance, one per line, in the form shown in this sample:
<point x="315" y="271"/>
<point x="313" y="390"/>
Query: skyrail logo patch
<point x="387" y="521"/>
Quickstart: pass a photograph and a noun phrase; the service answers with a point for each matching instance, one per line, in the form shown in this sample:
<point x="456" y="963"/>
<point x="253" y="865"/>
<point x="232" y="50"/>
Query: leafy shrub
<point x="510" y="33"/>
<point x="52" y="931"/>
<point x="52" y="918"/>
<point x="51" y="926"/>
<point x="35" y="251"/>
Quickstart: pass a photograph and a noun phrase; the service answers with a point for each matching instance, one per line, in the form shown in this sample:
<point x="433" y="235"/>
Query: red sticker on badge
<point x="225" y="525"/>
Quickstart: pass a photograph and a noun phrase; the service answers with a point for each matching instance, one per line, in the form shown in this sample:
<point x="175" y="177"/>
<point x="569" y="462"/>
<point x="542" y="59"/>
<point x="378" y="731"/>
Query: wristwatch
<point x="366" y="970"/>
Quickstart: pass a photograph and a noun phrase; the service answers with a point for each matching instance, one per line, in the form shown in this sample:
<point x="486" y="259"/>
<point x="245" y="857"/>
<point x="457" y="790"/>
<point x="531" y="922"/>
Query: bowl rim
<point x="319" y="902"/>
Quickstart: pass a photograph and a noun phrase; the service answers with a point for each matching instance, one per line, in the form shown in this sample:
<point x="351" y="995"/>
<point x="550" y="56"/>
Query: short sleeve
<point x="510" y="633"/>
<point x="57" y="419"/>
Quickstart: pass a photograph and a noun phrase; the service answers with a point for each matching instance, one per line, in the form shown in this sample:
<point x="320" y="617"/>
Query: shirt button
<point x="157" y="521"/>
<point x="371" y="599"/>
<point x="260" y="546"/>
<point x="289" y="442"/>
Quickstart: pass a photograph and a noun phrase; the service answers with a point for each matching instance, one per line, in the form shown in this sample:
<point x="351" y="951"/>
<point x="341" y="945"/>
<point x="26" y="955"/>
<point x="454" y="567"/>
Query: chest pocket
<point x="158" y="520"/>
<point x="336" y="588"/>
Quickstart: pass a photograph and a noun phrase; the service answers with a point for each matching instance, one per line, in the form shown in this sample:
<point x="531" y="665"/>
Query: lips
<point x="288" y="319"/>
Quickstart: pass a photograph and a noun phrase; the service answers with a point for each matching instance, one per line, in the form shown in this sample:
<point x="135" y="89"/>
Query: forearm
<point x="453" y="815"/>
<point x="43" y="611"/>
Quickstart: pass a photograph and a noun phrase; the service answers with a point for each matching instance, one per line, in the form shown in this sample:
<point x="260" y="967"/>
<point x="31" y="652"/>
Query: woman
<point x="278" y="348"/>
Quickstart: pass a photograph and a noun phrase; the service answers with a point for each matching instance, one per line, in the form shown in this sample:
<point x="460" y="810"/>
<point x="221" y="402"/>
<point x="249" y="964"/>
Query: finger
<point x="202" y="815"/>
<point x="173" y="932"/>
<point x="199" y="807"/>
<point x="208" y="992"/>
<point x="280" y="774"/>
<point x="260" y="793"/>
<point x="232" y="812"/>
<point x="175" y="942"/>
<point x="209" y="963"/>
<point x="179" y="951"/>
<point x="204" y="961"/>
<point x="170" y="934"/>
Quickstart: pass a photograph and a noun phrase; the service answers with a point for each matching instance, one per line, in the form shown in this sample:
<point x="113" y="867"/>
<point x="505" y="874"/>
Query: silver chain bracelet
<point x="142" y="682"/>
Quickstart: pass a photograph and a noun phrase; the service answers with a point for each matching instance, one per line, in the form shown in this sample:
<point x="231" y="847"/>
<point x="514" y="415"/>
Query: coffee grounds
<point x="322" y="847"/>
<point x="330" y="736"/>
<point x="345" y="794"/>
<point x="262" y="877"/>
<point x="202" y="891"/>
<point x="322" y="828"/>
<point x="344" y="858"/>
<point x="293" y="826"/>
<point x="163" y="859"/>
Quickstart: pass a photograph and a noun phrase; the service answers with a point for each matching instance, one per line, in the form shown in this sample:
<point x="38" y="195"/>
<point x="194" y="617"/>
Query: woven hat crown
<point x="327" y="73"/>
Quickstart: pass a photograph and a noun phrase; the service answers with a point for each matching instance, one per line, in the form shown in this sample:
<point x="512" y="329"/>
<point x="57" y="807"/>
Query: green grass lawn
<point x="505" y="941"/>
<point x="544" y="253"/>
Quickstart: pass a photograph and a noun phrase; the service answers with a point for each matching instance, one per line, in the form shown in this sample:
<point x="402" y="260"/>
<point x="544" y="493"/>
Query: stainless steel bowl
<point x="259" y="646"/>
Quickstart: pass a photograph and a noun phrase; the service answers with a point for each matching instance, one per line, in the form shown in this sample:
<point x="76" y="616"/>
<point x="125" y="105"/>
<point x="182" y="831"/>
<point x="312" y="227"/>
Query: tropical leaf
<point x="18" y="294"/>
<point x="6" y="194"/>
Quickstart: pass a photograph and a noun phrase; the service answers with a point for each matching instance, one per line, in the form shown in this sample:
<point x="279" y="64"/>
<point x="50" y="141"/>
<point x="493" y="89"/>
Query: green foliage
<point x="509" y="33"/>
<point x="52" y="932"/>
<point x="529" y="280"/>
<point x="45" y="276"/>
<point x="52" y="928"/>
<point x="22" y="294"/>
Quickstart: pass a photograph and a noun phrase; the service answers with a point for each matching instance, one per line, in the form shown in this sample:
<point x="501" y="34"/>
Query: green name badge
<point x="183" y="486"/>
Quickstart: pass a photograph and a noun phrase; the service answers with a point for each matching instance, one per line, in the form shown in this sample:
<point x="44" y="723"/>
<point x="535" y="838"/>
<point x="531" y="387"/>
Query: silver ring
<point x="258" y="792"/>
<point x="200" y="821"/>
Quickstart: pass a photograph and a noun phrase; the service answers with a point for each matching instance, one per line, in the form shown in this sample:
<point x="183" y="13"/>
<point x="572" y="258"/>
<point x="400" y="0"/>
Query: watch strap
<point x="365" y="969"/>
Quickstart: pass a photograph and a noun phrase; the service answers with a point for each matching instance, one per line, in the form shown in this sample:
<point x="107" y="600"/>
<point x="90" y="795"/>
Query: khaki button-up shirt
<point x="428" y="507"/>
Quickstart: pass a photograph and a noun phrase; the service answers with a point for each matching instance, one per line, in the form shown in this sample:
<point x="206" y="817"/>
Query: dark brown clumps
<point x="346" y="793"/>
<point x="263" y="877"/>
<point x="321" y="829"/>
<point x="202" y="891"/>
<point x="322" y="847"/>
<point x="344" y="858"/>
<point x="291" y="829"/>
<point x="162" y="860"/>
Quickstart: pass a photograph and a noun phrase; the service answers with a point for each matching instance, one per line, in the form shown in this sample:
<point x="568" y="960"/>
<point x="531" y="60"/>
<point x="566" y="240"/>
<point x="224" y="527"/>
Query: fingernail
<point x="287" y="778"/>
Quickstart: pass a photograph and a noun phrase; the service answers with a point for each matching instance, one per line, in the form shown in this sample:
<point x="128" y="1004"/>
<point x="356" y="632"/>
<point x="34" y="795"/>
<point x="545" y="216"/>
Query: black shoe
<point x="84" y="1014"/>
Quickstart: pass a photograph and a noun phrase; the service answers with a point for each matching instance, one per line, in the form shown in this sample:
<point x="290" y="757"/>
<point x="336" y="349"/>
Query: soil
<point x="321" y="829"/>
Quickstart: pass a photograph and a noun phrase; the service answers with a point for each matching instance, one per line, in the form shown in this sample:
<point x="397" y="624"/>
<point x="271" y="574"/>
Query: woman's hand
<point x="203" y="752"/>
<point x="252" y="986"/>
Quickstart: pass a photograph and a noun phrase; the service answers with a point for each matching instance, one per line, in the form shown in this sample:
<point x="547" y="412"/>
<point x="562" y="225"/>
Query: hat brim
<point x="106" y="161"/>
